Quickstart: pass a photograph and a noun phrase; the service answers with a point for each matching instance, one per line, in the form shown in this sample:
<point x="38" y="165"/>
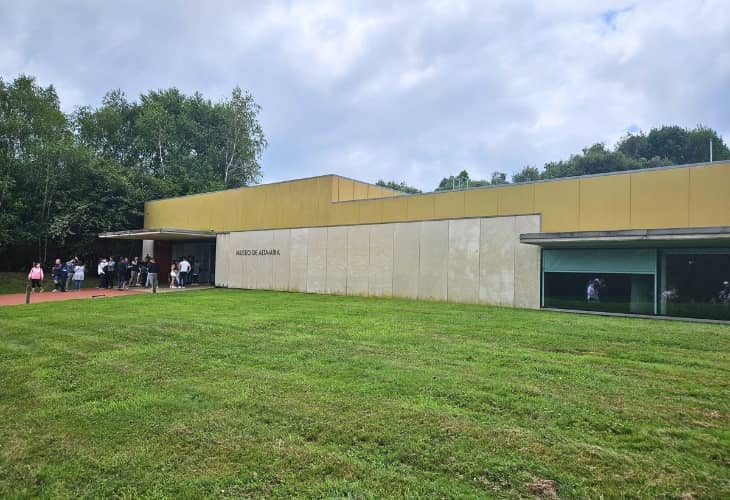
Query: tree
<point x="499" y="178"/>
<point x="398" y="186"/>
<point x="528" y="173"/>
<point x="244" y="140"/>
<point x="460" y="181"/>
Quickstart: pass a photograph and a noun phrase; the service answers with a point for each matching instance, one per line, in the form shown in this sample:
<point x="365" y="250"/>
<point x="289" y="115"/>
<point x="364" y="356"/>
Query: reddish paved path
<point x="12" y="299"/>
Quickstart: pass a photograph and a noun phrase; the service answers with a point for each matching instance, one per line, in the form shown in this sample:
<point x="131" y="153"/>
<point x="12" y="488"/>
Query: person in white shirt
<point x="592" y="291"/>
<point x="184" y="269"/>
<point x="102" y="274"/>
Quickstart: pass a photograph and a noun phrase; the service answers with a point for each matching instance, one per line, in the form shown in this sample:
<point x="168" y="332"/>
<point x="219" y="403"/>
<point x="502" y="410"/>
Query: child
<point x="36" y="276"/>
<point x="173" y="276"/>
<point x="78" y="275"/>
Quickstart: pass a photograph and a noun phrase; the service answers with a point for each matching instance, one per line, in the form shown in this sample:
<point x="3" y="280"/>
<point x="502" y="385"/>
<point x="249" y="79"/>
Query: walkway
<point x="12" y="299"/>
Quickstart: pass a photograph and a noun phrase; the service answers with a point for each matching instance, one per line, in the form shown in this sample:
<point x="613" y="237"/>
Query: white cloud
<point x="408" y="91"/>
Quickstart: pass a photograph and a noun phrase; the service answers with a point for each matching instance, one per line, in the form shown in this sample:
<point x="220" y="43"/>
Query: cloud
<point x="397" y="90"/>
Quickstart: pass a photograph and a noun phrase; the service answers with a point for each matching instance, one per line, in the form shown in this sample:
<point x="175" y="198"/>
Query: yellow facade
<point x="673" y="197"/>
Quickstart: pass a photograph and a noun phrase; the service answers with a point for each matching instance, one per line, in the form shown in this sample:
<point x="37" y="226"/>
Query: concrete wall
<point x="461" y="260"/>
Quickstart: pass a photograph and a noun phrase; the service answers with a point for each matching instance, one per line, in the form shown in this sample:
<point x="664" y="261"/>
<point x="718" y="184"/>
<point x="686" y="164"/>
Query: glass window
<point x="695" y="284"/>
<point x="607" y="292"/>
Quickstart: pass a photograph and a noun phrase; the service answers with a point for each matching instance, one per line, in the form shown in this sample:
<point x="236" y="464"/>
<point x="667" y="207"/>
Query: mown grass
<point x="229" y="393"/>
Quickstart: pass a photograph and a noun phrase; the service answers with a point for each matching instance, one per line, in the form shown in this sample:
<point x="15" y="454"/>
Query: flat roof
<point x="164" y="233"/>
<point x="674" y="237"/>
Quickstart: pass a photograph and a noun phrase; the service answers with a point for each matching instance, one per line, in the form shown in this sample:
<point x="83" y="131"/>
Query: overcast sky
<point x="413" y="90"/>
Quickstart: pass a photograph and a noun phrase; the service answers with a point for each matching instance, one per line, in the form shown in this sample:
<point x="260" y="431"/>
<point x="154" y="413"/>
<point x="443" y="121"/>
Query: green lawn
<point x="16" y="282"/>
<point x="227" y="393"/>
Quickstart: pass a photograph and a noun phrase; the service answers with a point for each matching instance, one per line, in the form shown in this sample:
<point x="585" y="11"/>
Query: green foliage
<point x="231" y="393"/>
<point x="528" y="173"/>
<point x="64" y="179"/>
<point x="398" y="186"/>
<point x="668" y="145"/>
<point x="460" y="181"/>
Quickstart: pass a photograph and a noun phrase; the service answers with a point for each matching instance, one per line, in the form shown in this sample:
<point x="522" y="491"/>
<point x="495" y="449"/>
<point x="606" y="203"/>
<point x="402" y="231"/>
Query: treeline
<point x="66" y="178"/>
<point x="668" y="145"/>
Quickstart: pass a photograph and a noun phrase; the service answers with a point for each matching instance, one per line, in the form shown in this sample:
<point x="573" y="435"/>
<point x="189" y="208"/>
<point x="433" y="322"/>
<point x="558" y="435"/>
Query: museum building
<point x="650" y="242"/>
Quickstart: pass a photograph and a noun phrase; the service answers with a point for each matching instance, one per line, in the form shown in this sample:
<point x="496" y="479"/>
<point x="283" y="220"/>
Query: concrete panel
<point x="497" y="261"/>
<point x="433" y="265"/>
<point x="246" y="263"/>
<point x="358" y="259"/>
<point x="406" y="255"/>
<point x="282" y="262"/>
<point x="264" y="264"/>
<point x="222" y="262"/>
<point x="336" y="281"/>
<point x="527" y="265"/>
<point x="380" y="272"/>
<point x="316" y="259"/>
<point x="298" y="260"/>
<point x="463" y="266"/>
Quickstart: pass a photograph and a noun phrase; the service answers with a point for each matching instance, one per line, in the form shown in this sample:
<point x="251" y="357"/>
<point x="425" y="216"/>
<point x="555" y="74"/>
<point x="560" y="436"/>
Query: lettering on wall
<point x="257" y="252"/>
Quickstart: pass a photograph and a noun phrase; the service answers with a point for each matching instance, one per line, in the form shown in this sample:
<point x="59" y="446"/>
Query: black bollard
<point x="27" y="293"/>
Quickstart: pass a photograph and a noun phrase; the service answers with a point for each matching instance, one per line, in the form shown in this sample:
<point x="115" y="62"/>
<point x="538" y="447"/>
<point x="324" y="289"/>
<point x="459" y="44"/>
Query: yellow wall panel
<point x="345" y="214"/>
<point x="481" y="202"/>
<point x="420" y="207"/>
<point x="692" y="196"/>
<point x="709" y="196"/>
<point x="660" y="199"/>
<point x="605" y="203"/>
<point x="558" y="202"/>
<point x="449" y="205"/>
<point x="361" y="191"/>
<point x="517" y="199"/>
<point x="371" y="212"/>
<point x="347" y="189"/>
<point x="395" y="209"/>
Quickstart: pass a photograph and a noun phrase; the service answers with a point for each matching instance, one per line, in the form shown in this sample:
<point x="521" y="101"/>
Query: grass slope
<point x="16" y="282"/>
<point x="243" y="393"/>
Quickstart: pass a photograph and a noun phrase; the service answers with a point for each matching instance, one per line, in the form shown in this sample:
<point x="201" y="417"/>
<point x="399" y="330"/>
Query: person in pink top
<point x="36" y="277"/>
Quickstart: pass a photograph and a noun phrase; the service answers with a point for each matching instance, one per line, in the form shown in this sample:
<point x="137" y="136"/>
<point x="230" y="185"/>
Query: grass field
<point x="227" y="393"/>
<point x="16" y="282"/>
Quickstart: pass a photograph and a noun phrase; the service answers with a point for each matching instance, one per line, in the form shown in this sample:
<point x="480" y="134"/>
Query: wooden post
<point x="27" y="293"/>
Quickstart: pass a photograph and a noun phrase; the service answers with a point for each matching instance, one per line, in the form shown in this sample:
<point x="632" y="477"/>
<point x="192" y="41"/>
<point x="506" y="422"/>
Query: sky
<point x="408" y="91"/>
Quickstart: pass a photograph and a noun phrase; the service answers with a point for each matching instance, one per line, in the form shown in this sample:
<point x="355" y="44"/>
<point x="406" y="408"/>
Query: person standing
<point x="122" y="273"/>
<point x="36" y="277"/>
<point x="173" y="276"/>
<point x="78" y="275"/>
<point x="56" y="271"/>
<point x="153" y="269"/>
<point x="184" y="269"/>
<point x="101" y="271"/>
<point x="134" y="272"/>
<point x="70" y="265"/>
<point x="111" y="271"/>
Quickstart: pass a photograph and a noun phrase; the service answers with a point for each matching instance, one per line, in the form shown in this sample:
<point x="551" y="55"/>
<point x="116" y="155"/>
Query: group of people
<point x="122" y="274"/>
<point x="67" y="275"/>
<point x="127" y="273"/>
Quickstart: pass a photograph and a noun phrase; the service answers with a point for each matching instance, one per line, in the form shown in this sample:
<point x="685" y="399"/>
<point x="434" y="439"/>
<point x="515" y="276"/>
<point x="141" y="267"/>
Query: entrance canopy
<point x="678" y="238"/>
<point x="161" y="234"/>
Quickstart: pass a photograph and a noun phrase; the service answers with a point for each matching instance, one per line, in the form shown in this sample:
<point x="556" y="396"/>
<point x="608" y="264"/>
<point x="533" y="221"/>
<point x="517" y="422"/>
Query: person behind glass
<point x="79" y="275"/>
<point x="184" y="272"/>
<point x="142" y="279"/>
<point x="36" y="277"/>
<point x="101" y="272"/>
<point x="592" y="291"/>
<point x="153" y="269"/>
<point x="724" y="294"/>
